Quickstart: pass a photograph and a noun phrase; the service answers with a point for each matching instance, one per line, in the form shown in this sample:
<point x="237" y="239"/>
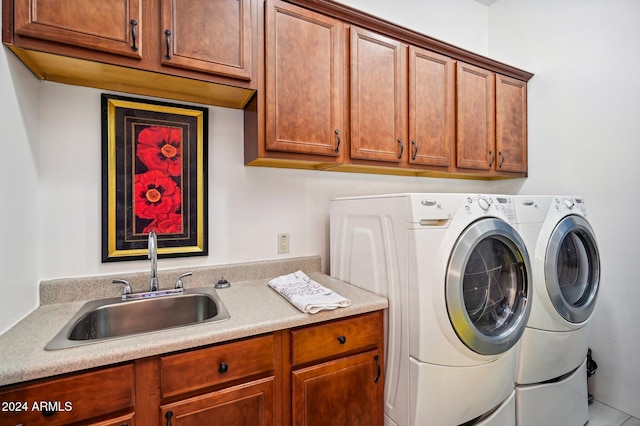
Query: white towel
<point x="306" y="294"/>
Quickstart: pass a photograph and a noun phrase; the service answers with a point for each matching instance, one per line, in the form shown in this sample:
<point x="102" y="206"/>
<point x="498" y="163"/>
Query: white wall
<point x="584" y="133"/>
<point x="19" y="198"/>
<point x="248" y="206"/>
<point x="463" y="23"/>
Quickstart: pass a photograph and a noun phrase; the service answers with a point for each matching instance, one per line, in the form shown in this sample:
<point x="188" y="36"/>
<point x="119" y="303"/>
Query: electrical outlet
<point x="283" y="243"/>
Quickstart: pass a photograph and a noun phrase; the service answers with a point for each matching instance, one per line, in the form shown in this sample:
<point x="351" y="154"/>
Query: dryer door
<point x="487" y="286"/>
<point x="572" y="269"/>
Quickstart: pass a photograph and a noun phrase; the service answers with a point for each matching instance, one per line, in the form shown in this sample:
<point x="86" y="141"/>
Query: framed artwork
<point x="154" y="176"/>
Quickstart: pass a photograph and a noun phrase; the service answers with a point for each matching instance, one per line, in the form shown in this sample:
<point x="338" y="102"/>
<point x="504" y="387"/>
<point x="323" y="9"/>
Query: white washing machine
<point x="551" y="380"/>
<point x="457" y="276"/>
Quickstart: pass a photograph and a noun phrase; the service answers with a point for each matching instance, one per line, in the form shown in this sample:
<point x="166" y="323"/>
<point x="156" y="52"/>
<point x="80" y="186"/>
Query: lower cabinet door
<point x="343" y="392"/>
<point x="249" y="404"/>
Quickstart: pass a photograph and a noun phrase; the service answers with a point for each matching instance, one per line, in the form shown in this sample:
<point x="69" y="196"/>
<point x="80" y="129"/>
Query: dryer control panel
<point x="495" y="205"/>
<point x="570" y="204"/>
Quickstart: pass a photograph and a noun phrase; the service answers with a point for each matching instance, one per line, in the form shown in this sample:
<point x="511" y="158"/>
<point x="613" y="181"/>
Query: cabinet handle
<point x="501" y="159"/>
<point x="342" y="340"/>
<point x="493" y="158"/>
<point x="134" y="35"/>
<point x="401" y="148"/>
<point x="168" y="417"/>
<point x="415" y="153"/>
<point x="337" y="132"/>
<point x="167" y="34"/>
<point x="377" y="358"/>
<point x="223" y="367"/>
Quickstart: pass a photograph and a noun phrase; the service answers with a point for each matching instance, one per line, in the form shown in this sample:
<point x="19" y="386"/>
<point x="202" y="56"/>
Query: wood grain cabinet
<point x="111" y="26"/>
<point x="330" y="373"/>
<point x="212" y="36"/>
<point x="102" y="397"/>
<point x="198" y="50"/>
<point x="491" y="121"/>
<point x="511" y="124"/>
<point x="337" y="373"/>
<point x="431" y="108"/>
<point x="378" y="97"/>
<point x="304" y="69"/>
<point x="392" y="101"/>
<point x="239" y="375"/>
<point x="475" y="116"/>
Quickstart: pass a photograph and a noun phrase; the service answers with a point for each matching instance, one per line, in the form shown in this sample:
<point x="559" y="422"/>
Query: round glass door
<point x="487" y="287"/>
<point x="572" y="269"/>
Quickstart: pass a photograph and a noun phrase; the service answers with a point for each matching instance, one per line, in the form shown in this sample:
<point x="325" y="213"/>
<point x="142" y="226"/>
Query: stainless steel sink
<point x="111" y="318"/>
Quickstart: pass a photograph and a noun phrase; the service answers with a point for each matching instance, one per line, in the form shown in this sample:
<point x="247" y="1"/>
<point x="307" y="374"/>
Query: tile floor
<point x="603" y="415"/>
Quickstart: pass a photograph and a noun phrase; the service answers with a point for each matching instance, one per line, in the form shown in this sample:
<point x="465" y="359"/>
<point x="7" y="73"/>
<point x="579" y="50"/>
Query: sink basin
<point x="111" y="318"/>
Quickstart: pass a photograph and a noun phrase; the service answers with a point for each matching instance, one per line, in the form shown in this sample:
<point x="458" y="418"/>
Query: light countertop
<point x="255" y="309"/>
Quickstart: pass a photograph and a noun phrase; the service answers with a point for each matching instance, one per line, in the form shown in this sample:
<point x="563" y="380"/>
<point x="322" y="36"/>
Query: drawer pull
<point x="134" y="34"/>
<point x="168" y="417"/>
<point x="342" y="340"/>
<point x="377" y="378"/>
<point x="223" y="367"/>
<point x="167" y="40"/>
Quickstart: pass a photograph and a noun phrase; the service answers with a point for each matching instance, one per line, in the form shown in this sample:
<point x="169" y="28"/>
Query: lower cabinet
<point x="98" y="397"/>
<point x="342" y="392"/>
<point x="336" y="376"/>
<point x="330" y="373"/>
<point x="246" y="404"/>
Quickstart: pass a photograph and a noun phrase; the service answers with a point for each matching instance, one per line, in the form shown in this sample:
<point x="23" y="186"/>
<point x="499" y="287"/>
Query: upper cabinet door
<point x="304" y="81"/>
<point x="475" y="117"/>
<point x="208" y="36"/>
<point x="110" y="26"/>
<point x="378" y="97"/>
<point x="511" y="124"/>
<point x="431" y="108"/>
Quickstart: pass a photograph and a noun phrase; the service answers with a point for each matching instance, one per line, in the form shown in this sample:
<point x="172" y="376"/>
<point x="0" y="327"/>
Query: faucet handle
<point x="179" y="283"/>
<point x="127" y="288"/>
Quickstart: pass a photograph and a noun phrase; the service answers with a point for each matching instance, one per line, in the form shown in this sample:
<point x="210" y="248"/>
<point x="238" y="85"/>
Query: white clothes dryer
<point x="551" y="385"/>
<point x="457" y="276"/>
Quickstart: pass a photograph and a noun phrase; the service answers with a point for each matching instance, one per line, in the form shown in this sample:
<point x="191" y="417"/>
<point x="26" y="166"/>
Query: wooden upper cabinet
<point x="431" y="108"/>
<point x="511" y="124"/>
<point x="475" y="117"/>
<point x="109" y="26"/>
<point x="378" y="97"/>
<point x="304" y="73"/>
<point x="208" y="36"/>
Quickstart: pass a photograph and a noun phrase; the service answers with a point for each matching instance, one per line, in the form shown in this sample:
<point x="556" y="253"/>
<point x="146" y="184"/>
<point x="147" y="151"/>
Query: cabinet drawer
<point x="203" y="368"/>
<point x="70" y="399"/>
<point x="335" y="338"/>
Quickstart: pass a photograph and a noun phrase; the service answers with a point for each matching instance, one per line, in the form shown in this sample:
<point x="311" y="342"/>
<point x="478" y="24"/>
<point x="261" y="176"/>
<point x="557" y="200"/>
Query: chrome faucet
<point x="153" y="255"/>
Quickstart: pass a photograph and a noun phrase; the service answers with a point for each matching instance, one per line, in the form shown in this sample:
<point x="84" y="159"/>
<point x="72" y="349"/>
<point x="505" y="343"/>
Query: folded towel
<point x="306" y="294"/>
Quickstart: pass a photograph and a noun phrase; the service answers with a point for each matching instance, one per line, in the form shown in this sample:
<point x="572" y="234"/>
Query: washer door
<point x="572" y="269"/>
<point x="487" y="286"/>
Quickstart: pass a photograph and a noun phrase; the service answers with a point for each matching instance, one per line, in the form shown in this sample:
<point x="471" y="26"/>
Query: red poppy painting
<point x="154" y="178"/>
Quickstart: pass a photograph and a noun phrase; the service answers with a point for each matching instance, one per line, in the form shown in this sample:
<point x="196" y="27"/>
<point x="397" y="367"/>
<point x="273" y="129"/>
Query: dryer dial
<point x="484" y="203"/>
<point x="569" y="203"/>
